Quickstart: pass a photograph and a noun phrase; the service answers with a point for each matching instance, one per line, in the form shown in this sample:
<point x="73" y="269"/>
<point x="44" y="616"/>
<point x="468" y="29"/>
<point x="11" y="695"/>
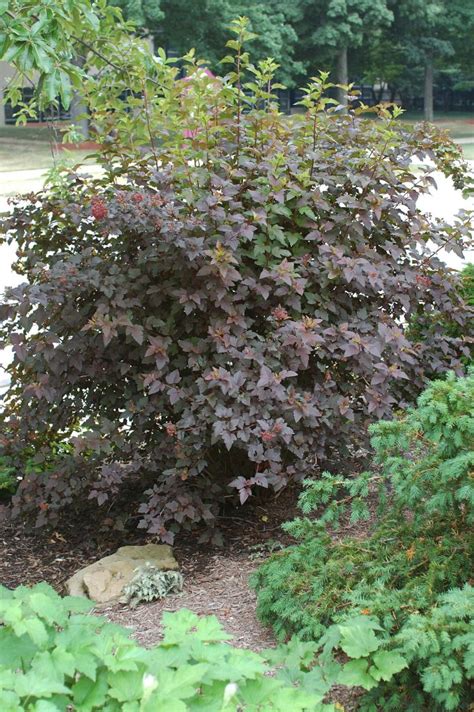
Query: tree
<point x="204" y="24"/>
<point x="331" y="28"/>
<point x="144" y="13"/>
<point x="425" y="39"/>
<point x="425" y="29"/>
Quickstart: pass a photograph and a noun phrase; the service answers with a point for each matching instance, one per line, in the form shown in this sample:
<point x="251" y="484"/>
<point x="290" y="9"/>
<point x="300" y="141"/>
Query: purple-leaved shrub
<point x="215" y="317"/>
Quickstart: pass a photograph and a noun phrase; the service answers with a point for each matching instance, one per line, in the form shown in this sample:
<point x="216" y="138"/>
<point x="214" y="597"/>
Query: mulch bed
<point x="29" y="555"/>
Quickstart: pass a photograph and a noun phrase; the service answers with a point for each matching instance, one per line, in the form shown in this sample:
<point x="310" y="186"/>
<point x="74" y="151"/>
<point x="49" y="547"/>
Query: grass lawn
<point x="460" y="125"/>
<point x="30" y="147"/>
<point x="29" y="133"/>
<point x="468" y="151"/>
<point x="26" y="155"/>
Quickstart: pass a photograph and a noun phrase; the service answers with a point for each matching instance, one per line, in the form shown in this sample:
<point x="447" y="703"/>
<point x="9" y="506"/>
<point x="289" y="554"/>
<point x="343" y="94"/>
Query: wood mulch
<point x="215" y="584"/>
<point x="29" y="555"/>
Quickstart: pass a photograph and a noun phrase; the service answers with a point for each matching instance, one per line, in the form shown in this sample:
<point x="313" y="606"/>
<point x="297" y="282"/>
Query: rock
<point x="104" y="580"/>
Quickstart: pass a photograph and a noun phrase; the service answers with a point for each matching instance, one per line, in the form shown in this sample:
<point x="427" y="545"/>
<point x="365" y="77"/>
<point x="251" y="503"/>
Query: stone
<point x="104" y="580"/>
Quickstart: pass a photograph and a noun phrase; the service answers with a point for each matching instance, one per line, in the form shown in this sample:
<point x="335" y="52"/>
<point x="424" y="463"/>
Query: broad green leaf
<point x="181" y="626"/>
<point x="14" y="650"/>
<point x="181" y="683"/>
<point x="63" y="661"/>
<point x="36" y="630"/>
<point x="355" y="674"/>
<point x="9" y="701"/>
<point x="89" y="693"/>
<point x="44" y="706"/>
<point x="46" y="606"/>
<point x="386" y="664"/>
<point x="233" y="665"/>
<point x="358" y="638"/>
<point x="126" y="685"/>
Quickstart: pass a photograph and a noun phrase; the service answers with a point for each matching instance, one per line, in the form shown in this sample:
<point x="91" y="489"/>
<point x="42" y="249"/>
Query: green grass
<point x="28" y="155"/>
<point x="459" y="124"/>
<point x="468" y="151"/>
<point x="31" y="147"/>
<point x="29" y="132"/>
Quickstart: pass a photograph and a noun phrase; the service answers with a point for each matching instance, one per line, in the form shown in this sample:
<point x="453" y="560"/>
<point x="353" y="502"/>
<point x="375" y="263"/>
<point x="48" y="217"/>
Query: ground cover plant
<point x="212" y="317"/>
<point x="410" y="575"/>
<point x="55" y="656"/>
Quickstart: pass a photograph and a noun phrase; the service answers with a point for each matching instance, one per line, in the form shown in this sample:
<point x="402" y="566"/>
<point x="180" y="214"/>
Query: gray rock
<point x="104" y="580"/>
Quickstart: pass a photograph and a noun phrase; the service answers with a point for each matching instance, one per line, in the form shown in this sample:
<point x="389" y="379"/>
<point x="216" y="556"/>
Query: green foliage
<point x="43" y="42"/>
<point x="408" y="573"/>
<point x="7" y="477"/>
<point x="467" y="284"/>
<point x="53" y="656"/>
<point x="60" y="46"/>
<point x="339" y="24"/>
<point x="26" y="460"/>
<point x="151" y="583"/>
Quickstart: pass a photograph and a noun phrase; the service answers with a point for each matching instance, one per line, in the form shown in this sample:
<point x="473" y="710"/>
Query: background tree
<point x="144" y="13"/>
<point x="329" y="29"/>
<point x="204" y="24"/>
<point x="428" y="42"/>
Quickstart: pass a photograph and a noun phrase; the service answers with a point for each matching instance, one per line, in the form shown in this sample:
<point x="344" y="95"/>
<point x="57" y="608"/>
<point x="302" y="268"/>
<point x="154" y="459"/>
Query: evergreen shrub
<point x="411" y="574"/>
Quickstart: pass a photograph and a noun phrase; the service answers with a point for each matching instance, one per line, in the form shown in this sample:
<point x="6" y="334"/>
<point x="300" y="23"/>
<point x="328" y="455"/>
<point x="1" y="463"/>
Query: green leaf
<point x="386" y="664"/>
<point x="15" y="650"/>
<point x="355" y="674"/>
<point x="43" y="61"/>
<point x="65" y="89"/>
<point x="91" y="17"/>
<point x="306" y="210"/>
<point x="227" y="663"/>
<point x="45" y="706"/>
<point x="126" y="685"/>
<point x="47" y="606"/>
<point x="358" y="638"/>
<point x="181" y="683"/>
<point x="89" y="693"/>
<point x="181" y="626"/>
<point x="159" y="703"/>
<point x="86" y="663"/>
<point x="63" y="661"/>
<point x="9" y="701"/>
<point x="36" y="630"/>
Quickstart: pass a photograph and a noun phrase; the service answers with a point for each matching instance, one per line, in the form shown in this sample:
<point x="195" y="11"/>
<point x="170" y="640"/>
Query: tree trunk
<point x="342" y="75"/>
<point x="78" y="109"/>
<point x="79" y="116"/>
<point x="428" y="94"/>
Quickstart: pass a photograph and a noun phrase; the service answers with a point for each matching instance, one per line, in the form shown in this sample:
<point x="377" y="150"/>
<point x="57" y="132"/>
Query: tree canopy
<point x="405" y="45"/>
